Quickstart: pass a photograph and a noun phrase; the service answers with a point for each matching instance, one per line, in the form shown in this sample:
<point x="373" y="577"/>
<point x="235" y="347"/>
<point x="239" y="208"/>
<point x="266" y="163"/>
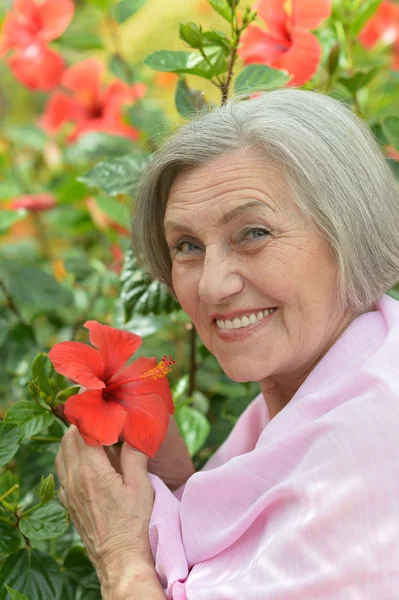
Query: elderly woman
<point x="275" y="221"/>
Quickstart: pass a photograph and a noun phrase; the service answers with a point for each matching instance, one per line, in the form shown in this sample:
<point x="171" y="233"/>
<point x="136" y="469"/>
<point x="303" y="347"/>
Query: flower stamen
<point x="160" y="371"/>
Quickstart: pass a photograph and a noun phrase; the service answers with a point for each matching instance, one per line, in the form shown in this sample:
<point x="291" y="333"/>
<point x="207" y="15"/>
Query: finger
<point x="133" y="463"/>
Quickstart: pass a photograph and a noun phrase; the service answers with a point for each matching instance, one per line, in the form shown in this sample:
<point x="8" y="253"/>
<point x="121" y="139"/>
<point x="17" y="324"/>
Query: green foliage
<point x="124" y="9"/>
<point x="32" y="573"/>
<point x="9" y="217"/>
<point x="30" y="417"/>
<point x="194" y="427"/>
<point x="47" y="522"/>
<point x="14" y="594"/>
<point x="115" y="176"/>
<point x="141" y="296"/>
<point x="188" y="101"/>
<point x="9" y="442"/>
<point x="255" y="78"/>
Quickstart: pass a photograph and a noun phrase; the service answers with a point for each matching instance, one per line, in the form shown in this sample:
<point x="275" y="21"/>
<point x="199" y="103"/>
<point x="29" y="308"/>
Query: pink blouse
<point x="303" y="507"/>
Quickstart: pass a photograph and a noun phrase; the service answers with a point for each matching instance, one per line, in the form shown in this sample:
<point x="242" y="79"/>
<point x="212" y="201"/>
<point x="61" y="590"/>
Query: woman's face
<point x="240" y="246"/>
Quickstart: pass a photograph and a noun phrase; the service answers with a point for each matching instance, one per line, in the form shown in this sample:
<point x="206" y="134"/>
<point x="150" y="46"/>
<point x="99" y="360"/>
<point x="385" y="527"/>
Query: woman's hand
<point x="110" y="510"/>
<point x="172" y="463"/>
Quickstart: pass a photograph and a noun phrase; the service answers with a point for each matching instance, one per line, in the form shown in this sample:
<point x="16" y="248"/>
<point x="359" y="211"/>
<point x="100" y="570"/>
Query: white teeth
<point x="238" y="323"/>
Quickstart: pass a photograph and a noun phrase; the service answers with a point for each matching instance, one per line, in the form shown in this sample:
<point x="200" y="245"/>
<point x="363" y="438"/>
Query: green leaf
<point x="117" y="212"/>
<point x="254" y="78"/>
<point x="355" y="82"/>
<point x="80" y="40"/>
<point x="10" y="539"/>
<point x="121" y="69"/>
<point x="9" y="442"/>
<point x="188" y="101"/>
<point x="140" y="295"/>
<point x="33" y="573"/>
<point x="79" y="568"/>
<point x="26" y="136"/>
<point x="366" y="10"/>
<point x="9" y="217"/>
<point x="200" y="402"/>
<point x="194" y="427"/>
<point x="29" y="416"/>
<point x="7" y="481"/>
<point x="191" y="34"/>
<point x="180" y="389"/>
<point x="14" y="594"/>
<point x="222" y="7"/>
<point x="47" y="522"/>
<point x="115" y="176"/>
<point x="63" y="395"/>
<point x="42" y="370"/>
<point x="390" y="127"/>
<point x="170" y="61"/>
<point x="30" y="286"/>
<point x="96" y="145"/>
<point x="149" y="117"/>
<point x="124" y="9"/>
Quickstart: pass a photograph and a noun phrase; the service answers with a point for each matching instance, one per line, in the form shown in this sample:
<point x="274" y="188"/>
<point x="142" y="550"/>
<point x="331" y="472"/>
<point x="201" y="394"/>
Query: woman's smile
<point x="239" y="328"/>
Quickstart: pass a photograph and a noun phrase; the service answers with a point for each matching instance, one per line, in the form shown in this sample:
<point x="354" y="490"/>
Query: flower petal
<point x="37" y="67"/>
<point x="159" y="387"/>
<point x="274" y="15"/>
<point x="133" y="371"/>
<point x="302" y="59"/>
<point x="257" y="46"/>
<point x="34" y="202"/>
<point x="115" y="345"/>
<point x="309" y="14"/>
<point x="78" y="362"/>
<point x="99" y="422"/>
<point x="55" y="16"/>
<point x="146" y="422"/>
<point x="84" y="79"/>
<point x="60" y="109"/>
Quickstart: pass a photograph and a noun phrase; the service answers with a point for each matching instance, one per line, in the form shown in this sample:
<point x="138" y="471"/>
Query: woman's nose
<point x="219" y="280"/>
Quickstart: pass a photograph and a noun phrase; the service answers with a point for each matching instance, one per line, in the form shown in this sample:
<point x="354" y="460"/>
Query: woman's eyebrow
<point x="225" y="218"/>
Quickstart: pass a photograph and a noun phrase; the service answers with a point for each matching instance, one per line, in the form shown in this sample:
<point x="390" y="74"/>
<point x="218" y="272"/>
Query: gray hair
<point x="332" y="163"/>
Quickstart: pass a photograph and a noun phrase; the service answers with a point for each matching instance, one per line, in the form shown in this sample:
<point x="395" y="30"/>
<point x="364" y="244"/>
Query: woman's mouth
<point x="244" y="321"/>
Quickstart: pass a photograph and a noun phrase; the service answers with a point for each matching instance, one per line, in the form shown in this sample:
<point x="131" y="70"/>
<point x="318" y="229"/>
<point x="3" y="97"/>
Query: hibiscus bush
<point x="80" y="118"/>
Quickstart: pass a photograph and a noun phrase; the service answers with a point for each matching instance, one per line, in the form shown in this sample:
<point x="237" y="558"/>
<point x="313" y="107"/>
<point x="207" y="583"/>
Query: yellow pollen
<point x="160" y="371"/>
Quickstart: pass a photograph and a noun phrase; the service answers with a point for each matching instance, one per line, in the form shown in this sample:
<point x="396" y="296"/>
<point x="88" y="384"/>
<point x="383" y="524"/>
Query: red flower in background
<point x="134" y="400"/>
<point x="91" y="106"/>
<point x="383" y="26"/>
<point x="26" y="31"/>
<point x="34" y="202"/>
<point x="287" y="42"/>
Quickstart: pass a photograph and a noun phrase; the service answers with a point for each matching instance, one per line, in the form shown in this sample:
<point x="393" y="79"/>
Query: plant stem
<point x="11" y="304"/>
<point x="41" y="236"/>
<point x="10" y="491"/>
<point x="236" y="35"/>
<point x="193" y="360"/>
<point x="30" y="510"/>
<point x="59" y="416"/>
<point x="44" y="439"/>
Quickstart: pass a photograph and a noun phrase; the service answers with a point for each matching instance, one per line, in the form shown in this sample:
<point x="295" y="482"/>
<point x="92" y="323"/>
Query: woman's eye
<point x="185" y="247"/>
<point x="254" y="233"/>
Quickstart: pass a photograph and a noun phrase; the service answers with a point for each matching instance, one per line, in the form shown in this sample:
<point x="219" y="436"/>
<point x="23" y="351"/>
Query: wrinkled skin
<point x="110" y="510"/>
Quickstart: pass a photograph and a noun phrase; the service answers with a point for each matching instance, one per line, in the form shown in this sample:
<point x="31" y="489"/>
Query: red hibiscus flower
<point x="383" y="26"/>
<point x="134" y="400"/>
<point x="91" y="106"/>
<point x="34" y="202"/>
<point x="26" y="31"/>
<point x="287" y="43"/>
